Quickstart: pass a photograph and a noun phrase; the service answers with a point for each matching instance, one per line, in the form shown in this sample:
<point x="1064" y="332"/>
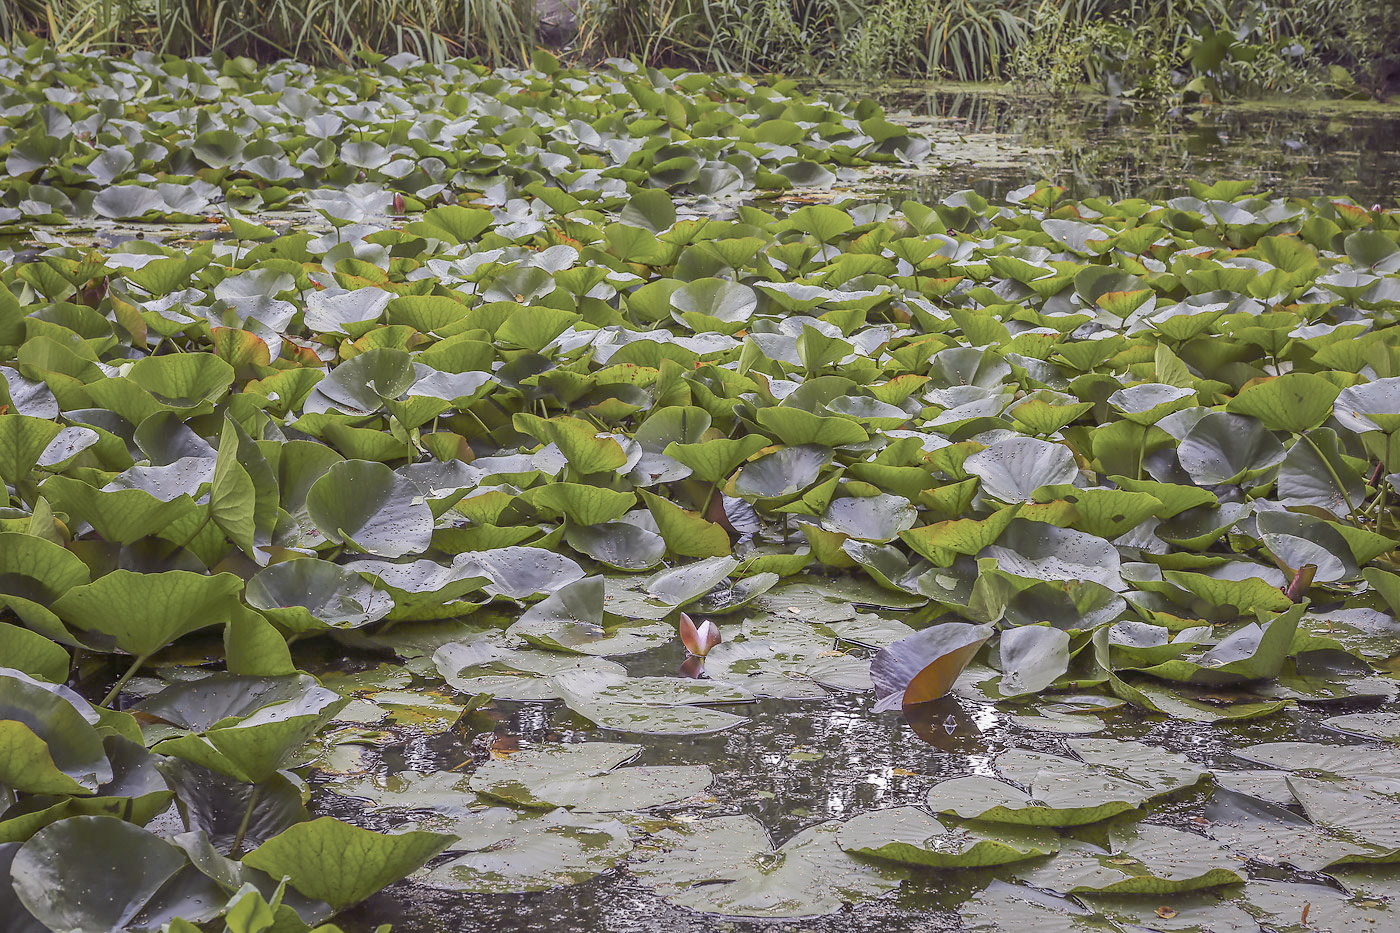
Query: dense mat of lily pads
<point x="1075" y="460"/>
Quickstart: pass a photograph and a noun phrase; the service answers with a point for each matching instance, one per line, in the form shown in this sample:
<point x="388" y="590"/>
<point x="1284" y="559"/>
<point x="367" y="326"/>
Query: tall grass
<point x="972" y="40"/>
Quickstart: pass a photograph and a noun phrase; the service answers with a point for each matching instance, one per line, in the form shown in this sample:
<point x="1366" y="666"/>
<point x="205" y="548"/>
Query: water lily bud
<point x="698" y="640"/>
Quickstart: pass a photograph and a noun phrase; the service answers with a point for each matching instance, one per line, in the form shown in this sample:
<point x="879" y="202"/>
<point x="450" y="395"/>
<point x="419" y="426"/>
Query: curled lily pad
<point x="342" y="864"/>
<point x="422" y="589"/>
<point x="263" y="727"/>
<point x="924" y="666"/>
<point x="909" y="835"/>
<point x="571" y="619"/>
<point x="521" y="572"/>
<point x="582" y="778"/>
<point x="48" y="737"/>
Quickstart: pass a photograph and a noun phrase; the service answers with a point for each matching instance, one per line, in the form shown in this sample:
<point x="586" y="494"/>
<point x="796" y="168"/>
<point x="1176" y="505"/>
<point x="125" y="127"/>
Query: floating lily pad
<point x="581" y="777"/>
<point x="907" y="834"/>
<point x="499" y="851"/>
<point x="727" y="866"/>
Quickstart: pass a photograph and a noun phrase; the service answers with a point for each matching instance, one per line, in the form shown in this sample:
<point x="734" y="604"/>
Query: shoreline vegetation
<point x="1152" y="51"/>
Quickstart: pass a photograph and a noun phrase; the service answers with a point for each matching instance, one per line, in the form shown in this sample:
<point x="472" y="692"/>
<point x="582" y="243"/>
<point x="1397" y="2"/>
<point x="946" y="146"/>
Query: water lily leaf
<point x="1111" y="777"/>
<point x="582" y="778"/>
<point x="571" y="619"/>
<point x="781" y="473"/>
<point x="1314" y="473"/>
<point x="689" y="582"/>
<point x="143" y="612"/>
<point x="623" y="545"/>
<point x="1140" y="859"/>
<point x="307" y="594"/>
<point x="499" y="851"/>
<point x="92" y="874"/>
<point x="1225" y="448"/>
<point x="878" y="518"/>
<point x="1013" y="469"/>
<point x="342" y="864"/>
<point x="1294" y="402"/>
<point x="1349" y="808"/>
<point x="1150" y="402"/>
<point x="23" y="441"/>
<point x="722" y="300"/>
<point x="797" y="427"/>
<point x="1252" y="652"/>
<point x="33" y="573"/>
<point x="907" y="834"/>
<point x="767" y="667"/>
<point x="255" y="739"/>
<point x="1355" y="404"/>
<point x="48" y="737"/>
<point x="1002" y="907"/>
<point x="1281" y="906"/>
<point x="586" y="449"/>
<point x="33" y="654"/>
<point x="183" y="381"/>
<point x="727" y="866"/>
<point x="1272" y="833"/>
<point x="369" y="507"/>
<point x="713" y="461"/>
<point x="581" y="503"/>
<point x="924" y="666"/>
<point x="1383" y="726"/>
<point x="484" y="666"/>
<point x="214" y="804"/>
<point x="1045" y="552"/>
<point x="522" y="572"/>
<point x="686" y="533"/>
<point x="1032" y="658"/>
<point x="653" y="705"/>
<point x="943" y="541"/>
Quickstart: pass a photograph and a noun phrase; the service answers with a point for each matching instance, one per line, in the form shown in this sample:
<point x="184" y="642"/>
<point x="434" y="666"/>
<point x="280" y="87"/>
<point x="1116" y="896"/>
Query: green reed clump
<point x="1160" y="50"/>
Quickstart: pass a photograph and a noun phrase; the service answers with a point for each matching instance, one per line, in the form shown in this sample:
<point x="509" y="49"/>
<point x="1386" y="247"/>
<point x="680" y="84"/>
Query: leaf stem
<point x="121" y="682"/>
<point x="237" y="849"/>
<point x="1341" y="487"/>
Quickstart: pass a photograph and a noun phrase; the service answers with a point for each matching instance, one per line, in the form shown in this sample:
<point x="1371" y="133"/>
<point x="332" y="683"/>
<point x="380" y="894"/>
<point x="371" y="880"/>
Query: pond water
<point x="1096" y="147"/>
<point x="798" y="763"/>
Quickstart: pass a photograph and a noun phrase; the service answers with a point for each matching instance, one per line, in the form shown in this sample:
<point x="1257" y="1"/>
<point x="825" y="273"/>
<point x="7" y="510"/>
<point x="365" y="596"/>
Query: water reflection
<point x="1105" y="148"/>
<point x="954" y="726"/>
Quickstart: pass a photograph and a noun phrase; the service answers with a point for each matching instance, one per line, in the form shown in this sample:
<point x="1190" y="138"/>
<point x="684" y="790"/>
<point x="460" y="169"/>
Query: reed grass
<point x="971" y="40"/>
